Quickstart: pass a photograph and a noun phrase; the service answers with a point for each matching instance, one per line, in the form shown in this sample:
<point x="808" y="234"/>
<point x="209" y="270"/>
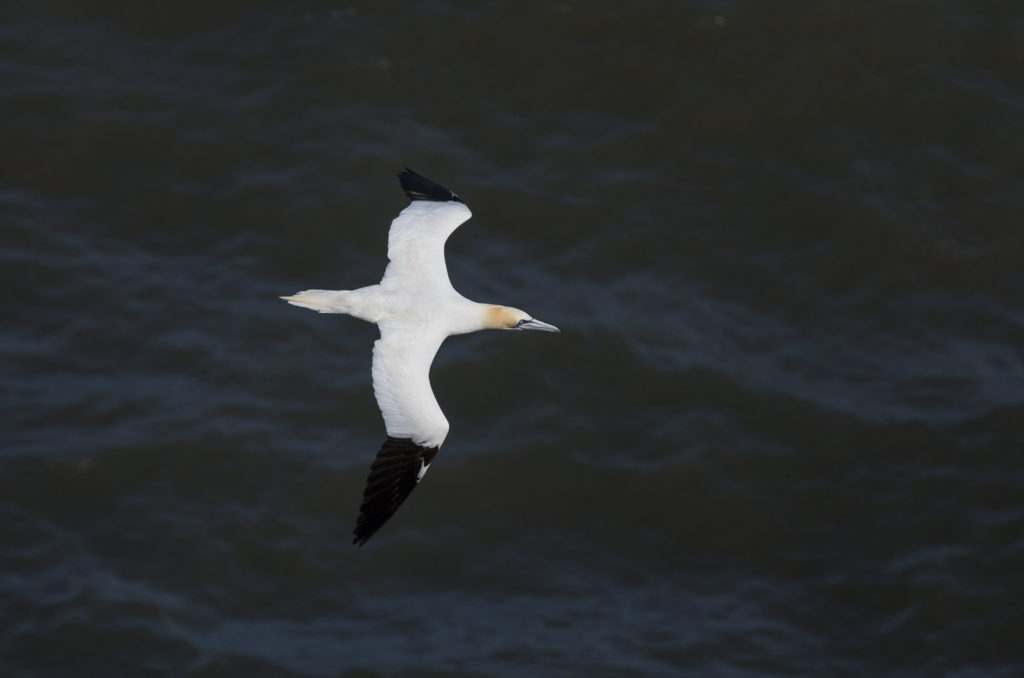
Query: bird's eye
<point x="522" y="322"/>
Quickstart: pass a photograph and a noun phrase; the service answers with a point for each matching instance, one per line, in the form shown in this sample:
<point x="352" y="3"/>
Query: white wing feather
<point x="401" y="383"/>
<point x="416" y="245"/>
<point x="412" y="327"/>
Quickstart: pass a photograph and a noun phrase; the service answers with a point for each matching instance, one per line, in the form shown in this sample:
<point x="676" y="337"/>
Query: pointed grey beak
<point x="538" y="325"/>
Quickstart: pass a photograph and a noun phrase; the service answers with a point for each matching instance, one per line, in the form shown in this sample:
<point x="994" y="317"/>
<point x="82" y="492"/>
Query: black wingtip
<point x="393" y="475"/>
<point x="418" y="187"/>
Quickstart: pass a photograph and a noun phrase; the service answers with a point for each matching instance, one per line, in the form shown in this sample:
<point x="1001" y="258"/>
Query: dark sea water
<point x="781" y="432"/>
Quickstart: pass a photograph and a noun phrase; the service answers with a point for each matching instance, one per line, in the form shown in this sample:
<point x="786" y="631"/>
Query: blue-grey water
<point x="781" y="433"/>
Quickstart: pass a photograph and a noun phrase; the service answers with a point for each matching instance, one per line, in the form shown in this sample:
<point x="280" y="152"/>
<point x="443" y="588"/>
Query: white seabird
<point x="416" y="308"/>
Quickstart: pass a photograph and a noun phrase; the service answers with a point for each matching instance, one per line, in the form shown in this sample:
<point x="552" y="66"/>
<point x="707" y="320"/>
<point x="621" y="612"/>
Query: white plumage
<point x="416" y="308"/>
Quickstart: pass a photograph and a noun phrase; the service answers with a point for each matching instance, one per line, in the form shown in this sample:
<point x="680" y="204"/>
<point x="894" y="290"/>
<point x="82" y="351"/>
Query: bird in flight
<point x="416" y="309"/>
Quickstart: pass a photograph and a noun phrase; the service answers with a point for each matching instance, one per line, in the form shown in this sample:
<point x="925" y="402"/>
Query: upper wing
<point x="417" y="236"/>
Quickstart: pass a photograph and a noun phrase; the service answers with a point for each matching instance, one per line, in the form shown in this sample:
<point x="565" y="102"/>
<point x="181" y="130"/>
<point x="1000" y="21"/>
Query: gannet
<point x="416" y="308"/>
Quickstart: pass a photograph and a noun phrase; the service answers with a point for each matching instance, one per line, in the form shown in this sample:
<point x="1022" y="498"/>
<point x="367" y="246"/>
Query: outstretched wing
<point x="415" y="424"/>
<point x="401" y="383"/>
<point x="417" y="236"/>
<point x="395" y="472"/>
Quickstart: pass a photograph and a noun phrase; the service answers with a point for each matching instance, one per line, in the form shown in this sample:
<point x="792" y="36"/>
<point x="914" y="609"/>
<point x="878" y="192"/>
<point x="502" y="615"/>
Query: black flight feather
<point x="418" y="187"/>
<point x="393" y="475"/>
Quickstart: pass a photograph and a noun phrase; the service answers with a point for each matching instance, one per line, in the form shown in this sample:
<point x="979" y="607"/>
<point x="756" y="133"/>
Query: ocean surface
<point x="780" y="434"/>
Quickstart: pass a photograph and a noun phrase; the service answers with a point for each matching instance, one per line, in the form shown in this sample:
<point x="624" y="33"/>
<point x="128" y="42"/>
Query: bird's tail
<point x="322" y="301"/>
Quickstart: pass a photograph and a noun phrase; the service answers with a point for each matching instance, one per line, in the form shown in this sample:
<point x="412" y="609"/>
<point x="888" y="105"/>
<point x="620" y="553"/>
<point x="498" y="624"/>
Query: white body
<point x="416" y="309"/>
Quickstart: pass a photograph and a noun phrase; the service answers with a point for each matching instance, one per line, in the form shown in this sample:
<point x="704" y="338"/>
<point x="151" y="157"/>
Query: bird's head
<point x="508" y="318"/>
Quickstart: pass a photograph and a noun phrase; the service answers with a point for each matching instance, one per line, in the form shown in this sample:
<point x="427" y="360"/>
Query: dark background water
<point x="780" y="434"/>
